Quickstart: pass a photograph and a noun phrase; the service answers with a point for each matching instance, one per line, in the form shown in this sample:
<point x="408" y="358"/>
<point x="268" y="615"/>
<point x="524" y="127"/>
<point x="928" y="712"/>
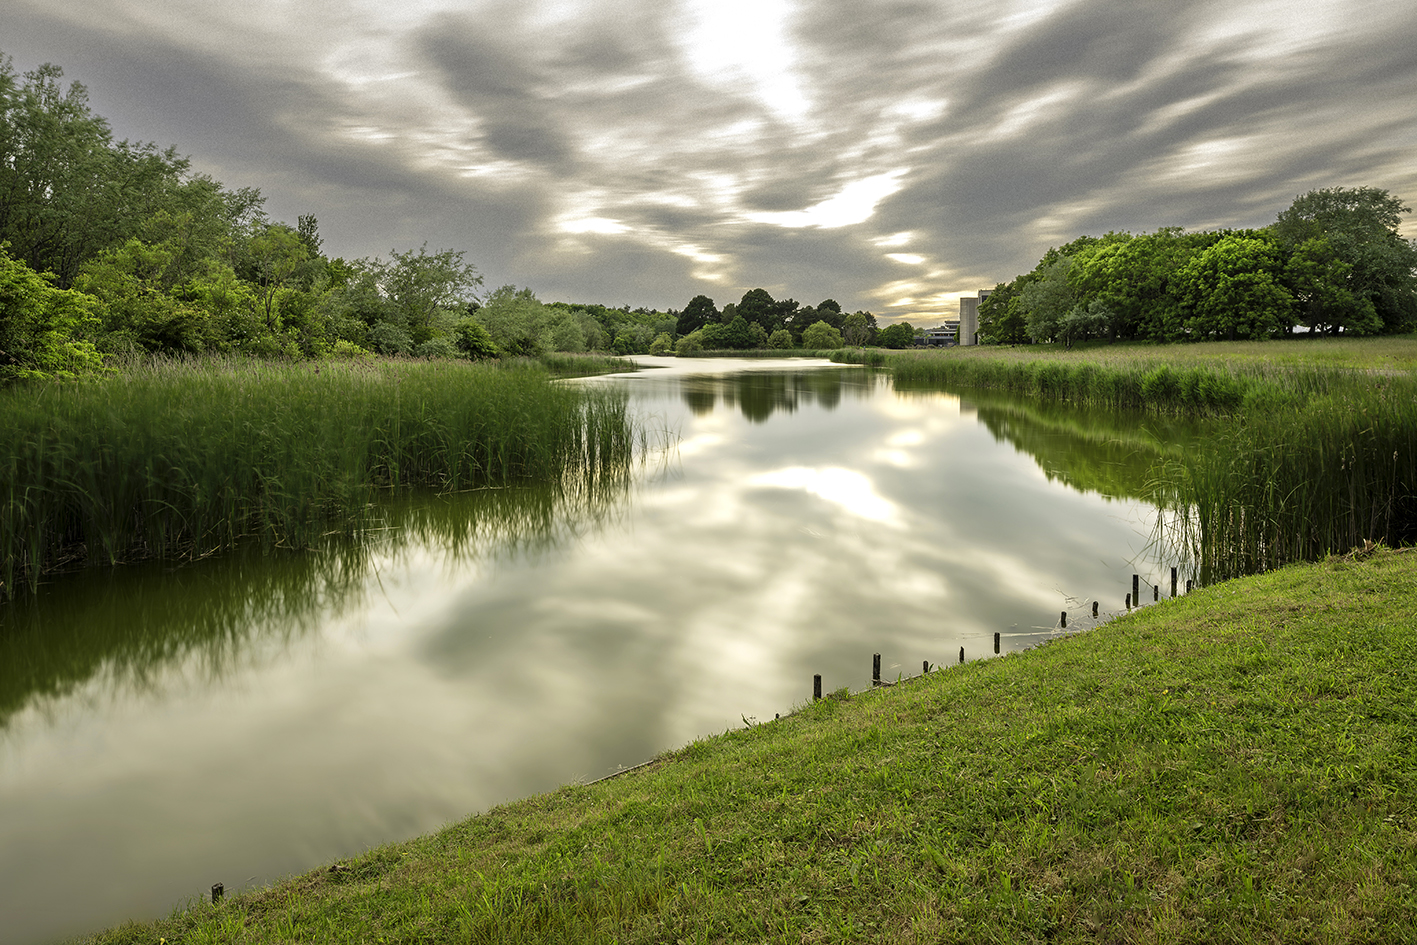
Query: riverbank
<point x="1232" y="765"/>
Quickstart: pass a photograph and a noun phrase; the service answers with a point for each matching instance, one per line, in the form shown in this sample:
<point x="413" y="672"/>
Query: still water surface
<point x="247" y="717"/>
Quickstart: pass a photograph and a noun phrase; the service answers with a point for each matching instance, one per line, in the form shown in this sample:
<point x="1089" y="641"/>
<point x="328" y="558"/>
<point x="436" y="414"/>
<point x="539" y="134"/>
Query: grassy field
<point x="1236" y="765"/>
<point x="180" y="459"/>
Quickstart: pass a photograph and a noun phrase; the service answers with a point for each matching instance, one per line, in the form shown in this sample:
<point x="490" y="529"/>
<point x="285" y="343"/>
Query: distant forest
<point x="1332" y="263"/>
<point x="113" y="247"/>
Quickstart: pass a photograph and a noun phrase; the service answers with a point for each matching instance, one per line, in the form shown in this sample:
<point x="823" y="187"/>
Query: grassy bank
<point x="1236" y="765"/>
<point x="182" y="459"/>
<point x="1314" y="449"/>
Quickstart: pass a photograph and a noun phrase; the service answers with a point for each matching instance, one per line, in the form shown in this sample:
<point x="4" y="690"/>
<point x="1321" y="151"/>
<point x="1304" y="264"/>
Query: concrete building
<point x="943" y="336"/>
<point x="969" y="317"/>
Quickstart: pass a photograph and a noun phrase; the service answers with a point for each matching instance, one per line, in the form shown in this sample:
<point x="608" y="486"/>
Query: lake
<point x="242" y="718"/>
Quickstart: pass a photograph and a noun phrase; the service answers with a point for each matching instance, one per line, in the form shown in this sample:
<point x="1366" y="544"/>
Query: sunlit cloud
<point x="848" y="489"/>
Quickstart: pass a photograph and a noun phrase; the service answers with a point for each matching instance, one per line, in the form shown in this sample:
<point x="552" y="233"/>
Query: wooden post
<point x="996" y="642"/>
<point x="217" y="891"/>
<point x="1129" y="602"/>
<point x="1136" y="588"/>
<point x="1064" y="620"/>
<point x="1094" y="608"/>
<point x="876" y="669"/>
<point x="816" y="687"/>
<point x="925" y="667"/>
<point x="1155" y="592"/>
<point x="1173" y="582"/>
<point x="961" y="654"/>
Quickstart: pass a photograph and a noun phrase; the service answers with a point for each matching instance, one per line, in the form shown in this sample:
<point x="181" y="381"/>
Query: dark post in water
<point x="816" y="687"/>
<point x="1136" y="588"/>
<point x="1173" y="582"/>
<point x="996" y="642"/>
<point x="876" y="669"/>
<point x="217" y="891"/>
<point x="1064" y="620"/>
<point x="1094" y="608"/>
<point x="961" y="654"/>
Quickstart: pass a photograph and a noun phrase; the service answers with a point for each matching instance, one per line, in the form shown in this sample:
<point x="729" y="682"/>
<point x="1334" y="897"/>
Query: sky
<point x="891" y="155"/>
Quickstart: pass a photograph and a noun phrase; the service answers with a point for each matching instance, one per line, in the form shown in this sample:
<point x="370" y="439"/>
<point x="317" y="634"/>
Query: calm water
<point x="245" y="718"/>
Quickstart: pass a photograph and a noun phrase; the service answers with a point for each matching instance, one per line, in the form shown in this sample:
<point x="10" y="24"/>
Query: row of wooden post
<point x="1135" y="595"/>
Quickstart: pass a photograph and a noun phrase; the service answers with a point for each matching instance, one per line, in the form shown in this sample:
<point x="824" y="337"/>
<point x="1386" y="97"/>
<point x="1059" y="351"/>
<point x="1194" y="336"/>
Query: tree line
<point x="112" y="247"/>
<point x="1333" y="262"/>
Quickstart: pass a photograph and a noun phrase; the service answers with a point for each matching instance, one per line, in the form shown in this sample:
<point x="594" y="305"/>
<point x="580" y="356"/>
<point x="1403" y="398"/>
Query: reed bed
<point x="1337" y="474"/>
<point x="184" y="459"/>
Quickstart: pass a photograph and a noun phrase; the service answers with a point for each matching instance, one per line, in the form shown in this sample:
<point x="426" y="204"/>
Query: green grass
<point x="181" y="459"/>
<point x="1236" y="765"/>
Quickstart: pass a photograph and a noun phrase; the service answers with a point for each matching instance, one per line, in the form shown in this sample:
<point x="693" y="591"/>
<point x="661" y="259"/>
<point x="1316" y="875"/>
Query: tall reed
<point x="1334" y="475"/>
<point x="182" y="459"/>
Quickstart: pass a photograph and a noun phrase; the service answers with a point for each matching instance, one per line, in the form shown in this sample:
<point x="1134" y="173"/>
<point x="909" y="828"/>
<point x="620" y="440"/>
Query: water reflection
<point x="125" y="627"/>
<point x="759" y="395"/>
<point x="253" y="716"/>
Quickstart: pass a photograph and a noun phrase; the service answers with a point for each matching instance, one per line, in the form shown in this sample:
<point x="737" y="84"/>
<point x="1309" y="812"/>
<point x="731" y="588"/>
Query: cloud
<point x="634" y="152"/>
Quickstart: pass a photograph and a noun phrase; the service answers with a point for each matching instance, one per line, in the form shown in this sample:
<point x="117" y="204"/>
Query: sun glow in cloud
<point x="745" y="41"/>
<point x="854" y="203"/>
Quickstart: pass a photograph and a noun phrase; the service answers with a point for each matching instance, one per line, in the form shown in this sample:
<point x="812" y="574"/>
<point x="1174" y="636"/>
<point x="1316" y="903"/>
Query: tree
<point x="662" y="344"/>
<point x="473" y="340"/>
<point x="1001" y="316"/>
<point x="899" y="335"/>
<point x="699" y="312"/>
<point x="1047" y="299"/>
<point x="42" y="328"/>
<point x="427" y="291"/>
<point x="1232" y="290"/>
<point x="855" y="330"/>
<point x="518" y="322"/>
<point x="782" y="338"/>
<point x="821" y="336"/>
<point x="1361" y="228"/>
<point x="759" y="308"/>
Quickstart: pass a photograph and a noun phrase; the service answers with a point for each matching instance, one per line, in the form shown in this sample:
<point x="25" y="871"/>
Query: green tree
<point x="1047" y="299"/>
<point x="699" y="312"/>
<point x="662" y="344"/>
<point x="1001" y="317"/>
<point x="1232" y="290"/>
<point x="899" y="335"/>
<point x="1360" y="226"/>
<point x="855" y="330"/>
<point x="518" y="322"/>
<point x="782" y="339"/>
<point x="821" y="336"/>
<point x="473" y="340"/>
<point x="43" y="328"/>
<point x="428" y="292"/>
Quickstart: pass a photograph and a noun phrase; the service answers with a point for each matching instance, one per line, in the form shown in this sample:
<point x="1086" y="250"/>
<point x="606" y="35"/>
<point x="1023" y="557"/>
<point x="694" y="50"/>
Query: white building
<point x="969" y="317"/>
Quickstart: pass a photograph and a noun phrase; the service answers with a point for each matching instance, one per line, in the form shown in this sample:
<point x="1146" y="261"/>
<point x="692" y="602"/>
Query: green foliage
<point x="1001" y="317"/>
<point x="699" y="312"/>
<point x="691" y="343"/>
<point x="42" y="329"/>
<point x="780" y="339"/>
<point x="1047" y="299"/>
<point x="519" y="324"/>
<point x="662" y="344"/>
<point x="178" y="459"/>
<point x="822" y="336"/>
<point x="854" y="330"/>
<point x="1232" y="289"/>
<point x="899" y="335"/>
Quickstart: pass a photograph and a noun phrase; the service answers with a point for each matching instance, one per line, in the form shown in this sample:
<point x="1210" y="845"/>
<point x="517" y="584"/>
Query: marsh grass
<point x="179" y="460"/>
<point x="1230" y="766"/>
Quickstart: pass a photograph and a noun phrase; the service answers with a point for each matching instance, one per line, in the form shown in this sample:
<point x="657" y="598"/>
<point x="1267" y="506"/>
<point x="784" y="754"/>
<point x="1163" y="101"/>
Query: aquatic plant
<point x="181" y="459"/>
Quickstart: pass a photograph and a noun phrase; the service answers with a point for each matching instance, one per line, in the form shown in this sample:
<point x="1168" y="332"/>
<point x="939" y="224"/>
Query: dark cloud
<point x="501" y="133"/>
